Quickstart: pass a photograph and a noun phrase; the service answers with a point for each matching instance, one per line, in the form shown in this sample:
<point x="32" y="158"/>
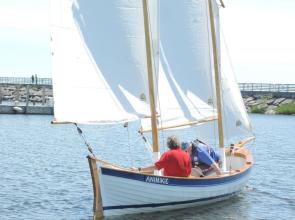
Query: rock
<point x="248" y="99"/>
<point x="262" y="106"/>
<point x="257" y="102"/>
<point x="248" y="109"/>
<point x="251" y="103"/>
<point x="7" y="97"/>
<point x="271" y="107"/>
<point x="270" y="101"/>
<point x="270" y="112"/>
<point x="287" y="101"/>
<point x="278" y="101"/>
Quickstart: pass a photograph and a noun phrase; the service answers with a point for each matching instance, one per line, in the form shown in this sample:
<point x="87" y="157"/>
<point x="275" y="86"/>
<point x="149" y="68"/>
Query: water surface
<point x="45" y="174"/>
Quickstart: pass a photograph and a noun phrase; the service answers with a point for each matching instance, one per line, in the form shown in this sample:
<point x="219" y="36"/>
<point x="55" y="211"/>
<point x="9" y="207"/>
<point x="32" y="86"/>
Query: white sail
<point x="184" y="78"/>
<point x="98" y="54"/>
<point x="236" y="123"/>
<point x="178" y="105"/>
<point x="155" y="35"/>
<point x="186" y="41"/>
<point x="187" y="59"/>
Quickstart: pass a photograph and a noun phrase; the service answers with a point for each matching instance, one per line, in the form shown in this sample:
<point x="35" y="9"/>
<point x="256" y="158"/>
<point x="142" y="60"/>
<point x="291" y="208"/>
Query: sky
<point x="260" y="36"/>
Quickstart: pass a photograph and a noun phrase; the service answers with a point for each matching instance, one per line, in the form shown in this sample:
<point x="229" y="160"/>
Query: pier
<point x="26" y="95"/>
<point x="32" y="95"/>
<point x="267" y="89"/>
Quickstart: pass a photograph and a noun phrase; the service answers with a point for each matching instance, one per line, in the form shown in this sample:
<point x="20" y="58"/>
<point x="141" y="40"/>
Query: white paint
<point x="118" y="191"/>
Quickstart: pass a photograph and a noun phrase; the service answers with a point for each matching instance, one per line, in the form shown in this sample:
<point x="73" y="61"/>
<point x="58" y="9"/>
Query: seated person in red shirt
<point x="174" y="162"/>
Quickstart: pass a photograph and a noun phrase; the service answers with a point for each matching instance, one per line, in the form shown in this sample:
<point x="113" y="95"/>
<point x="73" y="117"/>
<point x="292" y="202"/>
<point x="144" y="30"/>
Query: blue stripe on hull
<point x="153" y="205"/>
<point x="173" y="181"/>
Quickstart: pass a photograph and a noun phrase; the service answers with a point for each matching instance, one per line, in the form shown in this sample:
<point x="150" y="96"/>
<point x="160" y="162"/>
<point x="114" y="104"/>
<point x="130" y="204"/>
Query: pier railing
<point x="267" y="87"/>
<point x="284" y="90"/>
<point x="274" y="90"/>
<point x="25" y="80"/>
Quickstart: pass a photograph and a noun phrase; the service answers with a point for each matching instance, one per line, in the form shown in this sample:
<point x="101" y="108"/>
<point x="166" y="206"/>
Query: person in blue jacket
<point x="204" y="158"/>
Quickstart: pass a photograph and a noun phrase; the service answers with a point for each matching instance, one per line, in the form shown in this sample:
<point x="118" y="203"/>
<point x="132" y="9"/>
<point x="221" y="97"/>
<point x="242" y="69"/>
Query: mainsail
<point x="113" y="86"/>
<point x="99" y="61"/>
<point x="236" y="123"/>
<point x="186" y="74"/>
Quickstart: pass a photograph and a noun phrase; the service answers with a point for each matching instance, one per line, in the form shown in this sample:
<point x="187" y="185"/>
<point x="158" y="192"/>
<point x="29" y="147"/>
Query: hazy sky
<point x="260" y="35"/>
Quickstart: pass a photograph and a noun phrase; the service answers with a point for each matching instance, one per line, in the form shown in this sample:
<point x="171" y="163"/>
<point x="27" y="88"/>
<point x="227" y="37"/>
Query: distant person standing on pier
<point x="32" y="79"/>
<point x="36" y="79"/>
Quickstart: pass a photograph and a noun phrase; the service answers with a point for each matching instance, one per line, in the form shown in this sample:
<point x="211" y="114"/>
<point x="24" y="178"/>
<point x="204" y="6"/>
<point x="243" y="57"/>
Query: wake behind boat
<point x="157" y="62"/>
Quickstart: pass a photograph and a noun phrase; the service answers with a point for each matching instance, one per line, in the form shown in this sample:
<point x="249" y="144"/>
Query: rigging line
<point x="222" y="4"/>
<point x="129" y="146"/>
<point x="146" y="142"/>
<point x="80" y="132"/>
<point x="147" y="145"/>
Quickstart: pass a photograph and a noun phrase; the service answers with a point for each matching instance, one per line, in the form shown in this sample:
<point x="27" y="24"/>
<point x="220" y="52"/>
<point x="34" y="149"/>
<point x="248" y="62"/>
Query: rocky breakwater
<point x="269" y="105"/>
<point x="30" y="94"/>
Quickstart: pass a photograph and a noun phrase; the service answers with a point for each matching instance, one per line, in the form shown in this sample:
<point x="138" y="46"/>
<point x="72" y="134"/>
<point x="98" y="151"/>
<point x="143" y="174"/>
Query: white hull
<point x="126" y="192"/>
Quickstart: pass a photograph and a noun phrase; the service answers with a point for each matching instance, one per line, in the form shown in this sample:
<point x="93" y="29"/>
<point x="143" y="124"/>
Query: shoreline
<point x="269" y="105"/>
<point x="38" y="99"/>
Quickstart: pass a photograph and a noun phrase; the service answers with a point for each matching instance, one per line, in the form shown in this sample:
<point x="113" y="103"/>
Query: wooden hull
<point x="126" y="192"/>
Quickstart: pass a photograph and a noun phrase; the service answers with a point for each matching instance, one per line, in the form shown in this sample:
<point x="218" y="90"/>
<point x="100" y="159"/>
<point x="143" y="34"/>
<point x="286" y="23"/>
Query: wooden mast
<point x="217" y="82"/>
<point x="151" y="80"/>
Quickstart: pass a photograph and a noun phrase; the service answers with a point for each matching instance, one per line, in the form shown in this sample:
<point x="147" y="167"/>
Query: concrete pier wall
<point x="34" y="110"/>
<point x="26" y="99"/>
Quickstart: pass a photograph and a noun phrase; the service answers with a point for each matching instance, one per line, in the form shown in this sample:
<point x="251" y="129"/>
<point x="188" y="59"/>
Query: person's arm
<point x="148" y="169"/>
<point x="157" y="166"/>
<point x="216" y="168"/>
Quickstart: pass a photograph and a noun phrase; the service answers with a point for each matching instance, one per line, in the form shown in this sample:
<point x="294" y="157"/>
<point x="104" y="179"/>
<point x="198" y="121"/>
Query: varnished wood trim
<point x="191" y="123"/>
<point x="150" y="71"/>
<point x="216" y="76"/>
<point x="243" y="142"/>
<point x="60" y="122"/>
<point x="97" y="201"/>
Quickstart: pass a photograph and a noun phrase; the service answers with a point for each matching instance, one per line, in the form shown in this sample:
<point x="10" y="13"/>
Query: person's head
<point x="186" y="146"/>
<point x="173" y="142"/>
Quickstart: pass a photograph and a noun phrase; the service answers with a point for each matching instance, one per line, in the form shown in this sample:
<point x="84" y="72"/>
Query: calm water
<point x="44" y="173"/>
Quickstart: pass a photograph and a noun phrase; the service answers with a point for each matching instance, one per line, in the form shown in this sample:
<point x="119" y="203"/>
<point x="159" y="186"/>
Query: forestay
<point x="99" y="61"/>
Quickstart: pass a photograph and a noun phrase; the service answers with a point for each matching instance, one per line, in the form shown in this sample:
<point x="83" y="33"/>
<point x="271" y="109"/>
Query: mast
<point x="151" y="81"/>
<point x="217" y="85"/>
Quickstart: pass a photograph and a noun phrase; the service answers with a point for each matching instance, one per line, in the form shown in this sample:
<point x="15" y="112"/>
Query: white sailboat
<point x="114" y="63"/>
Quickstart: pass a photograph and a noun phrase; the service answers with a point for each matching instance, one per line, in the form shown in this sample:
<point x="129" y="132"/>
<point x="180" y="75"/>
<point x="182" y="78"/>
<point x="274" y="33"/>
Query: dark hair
<point x="173" y="142"/>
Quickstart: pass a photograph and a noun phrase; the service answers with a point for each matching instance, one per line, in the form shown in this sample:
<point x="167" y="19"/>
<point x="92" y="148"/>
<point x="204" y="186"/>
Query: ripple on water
<point x="45" y="175"/>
